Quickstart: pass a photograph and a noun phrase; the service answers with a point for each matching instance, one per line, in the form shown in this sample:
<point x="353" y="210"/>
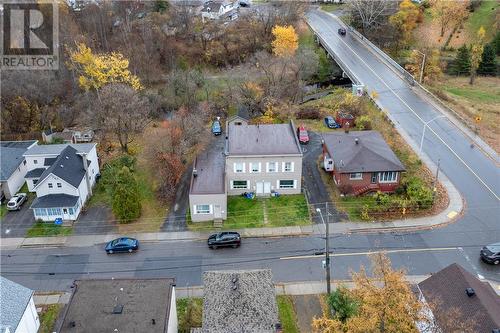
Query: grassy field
<point x="485" y="16"/>
<point x="44" y="229"/>
<point x="331" y="7"/>
<point x="3" y="209"/>
<point x="287" y="315"/>
<point x="185" y="323"/>
<point x="48" y="317"/>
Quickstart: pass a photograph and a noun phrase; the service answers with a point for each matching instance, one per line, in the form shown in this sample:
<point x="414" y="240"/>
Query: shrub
<point x="342" y="303"/>
<point x="418" y="193"/>
<point x="364" y="213"/>
<point x="345" y="188"/>
<point x="309" y="113"/>
<point x="364" y="123"/>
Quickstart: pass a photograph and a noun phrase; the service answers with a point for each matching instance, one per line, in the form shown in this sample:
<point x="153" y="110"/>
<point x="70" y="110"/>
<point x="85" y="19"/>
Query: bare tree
<point x="367" y="14"/>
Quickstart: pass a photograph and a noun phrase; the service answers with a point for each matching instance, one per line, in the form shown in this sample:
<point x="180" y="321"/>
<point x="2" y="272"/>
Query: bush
<point x="364" y="123"/>
<point x="345" y="188"/>
<point x="342" y="304"/>
<point x="126" y="198"/>
<point x="418" y="193"/>
<point x="309" y="113"/>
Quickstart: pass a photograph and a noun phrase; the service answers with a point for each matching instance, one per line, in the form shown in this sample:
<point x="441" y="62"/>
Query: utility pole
<point x="421" y="66"/>
<point x="327" y="247"/>
<point x="434" y="182"/>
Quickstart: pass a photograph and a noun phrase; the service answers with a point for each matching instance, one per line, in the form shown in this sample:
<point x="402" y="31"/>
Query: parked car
<point x="342" y="31"/>
<point x="122" y="244"/>
<point x="330" y="122"/>
<point x="491" y="254"/>
<point x="216" y="127"/>
<point x="224" y="239"/>
<point x="16" y="201"/>
<point x="303" y="135"/>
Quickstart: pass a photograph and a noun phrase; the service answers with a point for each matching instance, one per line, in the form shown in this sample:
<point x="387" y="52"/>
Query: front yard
<point x="46" y="229"/>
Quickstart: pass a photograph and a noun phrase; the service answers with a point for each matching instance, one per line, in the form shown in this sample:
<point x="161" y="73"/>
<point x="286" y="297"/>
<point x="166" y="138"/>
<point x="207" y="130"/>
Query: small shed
<point x="345" y="119"/>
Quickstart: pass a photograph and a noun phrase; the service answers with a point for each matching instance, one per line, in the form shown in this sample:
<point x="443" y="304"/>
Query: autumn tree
<point x="432" y="67"/>
<point x="448" y="13"/>
<point x="405" y="20"/>
<point x="122" y="111"/>
<point x="476" y="53"/>
<point x="367" y="14"/>
<point x="285" y="41"/>
<point x="20" y="116"/>
<point x="97" y="70"/>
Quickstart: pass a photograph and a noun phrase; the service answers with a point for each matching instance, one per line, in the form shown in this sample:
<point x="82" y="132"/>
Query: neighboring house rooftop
<point x="58" y="148"/>
<point x="211" y="7"/>
<point x="239" y="301"/>
<point x="273" y="139"/>
<point x="68" y="166"/>
<point x="35" y="173"/>
<point x="209" y="166"/>
<point x="361" y="151"/>
<point x="94" y="305"/>
<point x="14" y="299"/>
<point x="447" y="289"/>
<point x="55" y="201"/>
<point x="11" y="156"/>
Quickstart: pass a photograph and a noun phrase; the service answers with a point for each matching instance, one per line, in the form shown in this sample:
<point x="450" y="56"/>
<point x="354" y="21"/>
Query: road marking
<point x="474" y="267"/>
<point x="452" y="214"/>
<point x="402" y="101"/>
<point x="432" y="249"/>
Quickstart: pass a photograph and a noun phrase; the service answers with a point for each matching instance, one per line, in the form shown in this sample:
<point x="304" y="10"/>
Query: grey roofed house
<point x="119" y="305"/>
<point x="211" y="7"/>
<point x="208" y="171"/>
<point x="361" y="151"/>
<point x="35" y="173"/>
<point x="11" y="156"/>
<point x="58" y="148"/>
<point x="272" y="139"/>
<point x="14" y="300"/>
<point x="68" y="166"/>
<point x="447" y="288"/>
<point x="239" y="301"/>
<point x="54" y="201"/>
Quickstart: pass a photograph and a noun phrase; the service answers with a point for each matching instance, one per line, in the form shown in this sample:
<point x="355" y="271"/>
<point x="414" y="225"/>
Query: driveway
<point x="16" y="223"/>
<point x="314" y="187"/>
<point x="95" y="220"/>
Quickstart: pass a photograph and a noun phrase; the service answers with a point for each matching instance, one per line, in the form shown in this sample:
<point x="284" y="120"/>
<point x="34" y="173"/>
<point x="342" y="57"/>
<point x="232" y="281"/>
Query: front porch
<point x="56" y="206"/>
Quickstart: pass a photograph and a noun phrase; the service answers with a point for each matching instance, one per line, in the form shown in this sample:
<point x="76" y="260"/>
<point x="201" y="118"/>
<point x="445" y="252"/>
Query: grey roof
<point x="68" y="166"/>
<point x="92" y="303"/>
<point x="14" y="299"/>
<point x="49" y="161"/>
<point x="210" y="166"/>
<point x="11" y="156"/>
<point x="55" y="201"/>
<point x="251" y="307"/>
<point x="273" y="139"/>
<point x="56" y="149"/>
<point x="211" y="7"/>
<point x="35" y="173"/>
<point x="370" y="154"/>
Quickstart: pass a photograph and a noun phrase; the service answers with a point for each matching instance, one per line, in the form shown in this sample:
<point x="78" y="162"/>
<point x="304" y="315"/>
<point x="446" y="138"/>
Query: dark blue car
<point x="123" y="244"/>
<point x="216" y="127"/>
<point x="330" y="122"/>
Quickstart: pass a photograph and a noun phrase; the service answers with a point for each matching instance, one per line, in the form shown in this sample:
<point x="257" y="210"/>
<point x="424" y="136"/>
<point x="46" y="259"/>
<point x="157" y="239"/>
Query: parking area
<point x="16" y="223"/>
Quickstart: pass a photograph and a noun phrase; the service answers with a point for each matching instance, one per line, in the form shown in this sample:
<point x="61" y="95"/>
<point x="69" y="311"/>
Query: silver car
<point x="16" y="201"/>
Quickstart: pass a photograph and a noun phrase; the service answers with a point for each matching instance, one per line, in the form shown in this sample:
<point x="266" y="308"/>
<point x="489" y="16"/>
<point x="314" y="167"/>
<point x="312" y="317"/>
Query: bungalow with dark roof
<point x="361" y="162"/>
<point x="62" y="177"/>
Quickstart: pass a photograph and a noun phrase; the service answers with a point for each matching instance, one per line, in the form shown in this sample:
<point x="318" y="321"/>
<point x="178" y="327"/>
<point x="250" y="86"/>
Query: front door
<point x="267" y="188"/>
<point x="217" y="214"/>
<point x="374" y="177"/>
<point x="65" y="214"/>
<point x="260" y="188"/>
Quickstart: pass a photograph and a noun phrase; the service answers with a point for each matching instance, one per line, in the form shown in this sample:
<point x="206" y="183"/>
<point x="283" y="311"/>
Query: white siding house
<point x="13" y="166"/>
<point x="18" y="312"/>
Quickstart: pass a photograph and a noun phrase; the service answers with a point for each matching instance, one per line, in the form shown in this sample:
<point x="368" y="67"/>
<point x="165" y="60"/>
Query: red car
<point x="302" y="134"/>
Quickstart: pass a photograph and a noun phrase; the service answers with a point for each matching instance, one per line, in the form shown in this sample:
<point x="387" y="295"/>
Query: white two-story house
<point x="216" y="10"/>
<point x="62" y="177"/>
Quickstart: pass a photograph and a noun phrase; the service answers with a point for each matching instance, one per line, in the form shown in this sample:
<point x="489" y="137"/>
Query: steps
<point x="218" y="223"/>
<point x="367" y="188"/>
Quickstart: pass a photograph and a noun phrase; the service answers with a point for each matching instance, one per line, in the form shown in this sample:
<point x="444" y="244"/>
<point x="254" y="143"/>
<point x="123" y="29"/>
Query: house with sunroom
<point x="263" y="159"/>
<point x="62" y="176"/>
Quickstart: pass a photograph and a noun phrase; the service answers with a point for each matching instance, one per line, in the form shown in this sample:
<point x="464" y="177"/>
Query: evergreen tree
<point x="496" y="42"/>
<point x="488" y="64"/>
<point x="126" y="199"/>
<point x="462" y="61"/>
<point x="161" y="6"/>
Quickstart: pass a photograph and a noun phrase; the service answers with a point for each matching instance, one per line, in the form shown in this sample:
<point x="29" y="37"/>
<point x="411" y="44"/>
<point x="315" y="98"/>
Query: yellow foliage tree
<point x="447" y="12"/>
<point x="405" y="20"/>
<point x="285" y="41"/>
<point x="476" y="52"/>
<point x="432" y="67"/>
<point x="97" y="70"/>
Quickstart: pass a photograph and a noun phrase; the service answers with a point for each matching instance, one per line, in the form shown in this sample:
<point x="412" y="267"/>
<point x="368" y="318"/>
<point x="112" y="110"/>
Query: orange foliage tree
<point x="285" y="41"/>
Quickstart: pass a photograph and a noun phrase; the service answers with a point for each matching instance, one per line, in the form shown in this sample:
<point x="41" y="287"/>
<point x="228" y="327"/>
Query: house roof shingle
<point x="209" y="165"/>
<point x="57" y="148"/>
<point x="35" y="173"/>
<point x="68" y="166"/>
<point x="55" y="201"/>
<point x="370" y="154"/>
<point x="14" y="299"/>
<point x="273" y="139"/>
<point x="11" y="156"/>
<point x="447" y="287"/>
<point x="246" y="305"/>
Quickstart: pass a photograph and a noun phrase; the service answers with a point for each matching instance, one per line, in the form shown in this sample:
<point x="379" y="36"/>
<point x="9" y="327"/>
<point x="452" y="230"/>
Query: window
<point x="53" y="211"/>
<point x="287" y="184"/>
<point x="71" y="211"/>
<point x="356" y="176"/>
<point x="40" y="211"/>
<point x="202" y="209"/>
<point x="24" y="162"/>
<point x="35" y="162"/>
<point x="239" y="167"/>
<point x="51" y="185"/>
<point x="387" y="177"/>
<point x="255" y="167"/>
<point x="35" y="181"/>
<point x="239" y="184"/>
<point x="59" y="185"/>
<point x="272" y="167"/>
<point x="288" y="166"/>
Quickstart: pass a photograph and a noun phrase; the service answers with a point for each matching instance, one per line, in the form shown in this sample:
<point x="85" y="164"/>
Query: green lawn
<point x="484" y="16"/>
<point x="3" y="210"/>
<point x="473" y="94"/>
<point x="48" y="318"/>
<point x="287" y="210"/>
<point x="244" y="213"/>
<point x="287" y="315"/>
<point x="43" y="229"/>
<point x="187" y="322"/>
<point x="331" y="7"/>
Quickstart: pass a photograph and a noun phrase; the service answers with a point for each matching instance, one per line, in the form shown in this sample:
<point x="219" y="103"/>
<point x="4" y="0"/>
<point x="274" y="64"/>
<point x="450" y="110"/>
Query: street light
<point x="421" y="66"/>
<point x="423" y="131"/>
<point x="327" y="251"/>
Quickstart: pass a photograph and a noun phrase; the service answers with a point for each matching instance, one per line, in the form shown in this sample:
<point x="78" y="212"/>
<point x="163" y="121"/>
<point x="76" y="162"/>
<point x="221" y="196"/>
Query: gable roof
<point x="11" y="156"/>
<point x="370" y="154"/>
<point x="246" y="305"/>
<point x="211" y="7"/>
<point x="58" y="148"/>
<point x="269" y="139"/>
<point x="448" y="287"/>
<point x="14" y="299"/>
<point x="68" y="166"/>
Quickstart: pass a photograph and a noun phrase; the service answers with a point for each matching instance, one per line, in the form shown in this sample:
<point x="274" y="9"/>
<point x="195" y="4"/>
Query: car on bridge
<point x="224" y="239"/>
<point x="122" y="244"/>
<point x="491" y="254"/>
<point x="342" y="31"/>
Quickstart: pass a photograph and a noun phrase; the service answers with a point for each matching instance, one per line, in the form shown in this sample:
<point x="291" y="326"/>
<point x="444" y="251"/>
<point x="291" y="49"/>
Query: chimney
<point x="470" y="292"/>
<point x="356" y="140"/>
